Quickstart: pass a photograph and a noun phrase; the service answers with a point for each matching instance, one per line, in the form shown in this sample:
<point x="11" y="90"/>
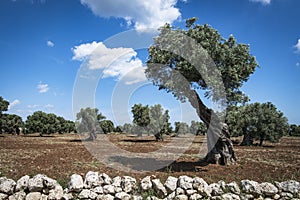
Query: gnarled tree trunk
<point x="247" y="139"/>
<point x="220" y="147"/>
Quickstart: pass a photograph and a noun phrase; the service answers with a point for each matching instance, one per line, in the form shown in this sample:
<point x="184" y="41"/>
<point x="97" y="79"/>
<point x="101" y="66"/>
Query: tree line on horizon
<point x="255" y="122"/>
<point x="38" y="122"/>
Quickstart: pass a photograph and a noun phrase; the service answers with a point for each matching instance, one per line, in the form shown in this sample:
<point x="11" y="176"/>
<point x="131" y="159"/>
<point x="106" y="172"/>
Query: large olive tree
<point x="178" y="65"/>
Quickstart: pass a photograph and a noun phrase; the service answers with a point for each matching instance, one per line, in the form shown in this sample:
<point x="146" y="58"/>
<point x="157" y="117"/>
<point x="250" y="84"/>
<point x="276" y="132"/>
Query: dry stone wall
<point x="97" y="186"/>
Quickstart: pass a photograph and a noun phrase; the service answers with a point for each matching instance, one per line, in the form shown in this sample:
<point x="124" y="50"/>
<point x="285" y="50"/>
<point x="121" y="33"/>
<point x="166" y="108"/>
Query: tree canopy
<point x="150" y="120"/>
<point x="89" y="120"/>
<point x="257" y="122"/>
<point x="183" y="61"/>
<point x="3" y="105"/>
<point x="233" y="60"/>
<point x="294" y="130"/>
<point x="47" y="123"/>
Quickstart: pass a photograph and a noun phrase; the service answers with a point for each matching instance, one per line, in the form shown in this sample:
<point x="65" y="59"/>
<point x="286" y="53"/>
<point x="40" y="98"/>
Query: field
<point x="59" y="156"/>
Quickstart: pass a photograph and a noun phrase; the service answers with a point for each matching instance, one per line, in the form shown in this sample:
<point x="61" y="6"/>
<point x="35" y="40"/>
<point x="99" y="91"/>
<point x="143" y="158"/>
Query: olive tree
<point x="159" y="121"/>
<point x="87" y="121"/>
<point x="10" y="123"/>
<point x="106" y="126"/>
<point x="294" y="130"/>
<point x="141" y="117"/>
<point x="48" y="123"/>
<point x="3" y="107"/>
<point x="181" y="128"/>
<point x="197" y="128"/>
<point x="182" y="61"/>
<point x="257" y="121"/>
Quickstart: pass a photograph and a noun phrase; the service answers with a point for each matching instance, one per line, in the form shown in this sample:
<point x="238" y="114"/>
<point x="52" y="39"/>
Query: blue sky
<point x="53" y="51"/>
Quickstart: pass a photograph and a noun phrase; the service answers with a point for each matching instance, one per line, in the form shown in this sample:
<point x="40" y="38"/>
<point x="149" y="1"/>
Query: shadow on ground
<point x="151" y="164"/>
<point x="185" y="166"/>
<point x="41" y="136"/>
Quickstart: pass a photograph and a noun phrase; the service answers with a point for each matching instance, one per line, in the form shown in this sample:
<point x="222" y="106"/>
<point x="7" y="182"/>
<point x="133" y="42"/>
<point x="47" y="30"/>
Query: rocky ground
<point x="60" y="156"/>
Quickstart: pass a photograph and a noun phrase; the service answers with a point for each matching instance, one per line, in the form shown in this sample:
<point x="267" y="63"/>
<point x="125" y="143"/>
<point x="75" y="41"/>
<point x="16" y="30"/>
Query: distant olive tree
<point x="3" y="107"/>
<point x="87" y="121"/>
<point x="257" y="121"/>
<point x="48" y="123"/>
<point x="107" y="126"/>
<point x="294" y="130"/>
<point x="198" y="128"/>
<point x="11" y="123"/>
<point x="151" y="120"/>
<point x="181" y="128"/>
<point x="141" y="117"/>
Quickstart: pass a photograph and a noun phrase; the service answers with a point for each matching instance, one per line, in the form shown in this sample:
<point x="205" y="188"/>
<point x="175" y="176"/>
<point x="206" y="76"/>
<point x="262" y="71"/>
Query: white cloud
<point x="264" y="2"/>
<point x="42" y="88"/>
<point x="13" y="104"/>
<point x="297" y="64"/>
<point x="50" y="43"/>
<point x="33" y="106"/>
<point x="49" y="106"/>
<point x="297" y="46"/>
<point x="121" y="63"/>
<point x="143" y="14"/>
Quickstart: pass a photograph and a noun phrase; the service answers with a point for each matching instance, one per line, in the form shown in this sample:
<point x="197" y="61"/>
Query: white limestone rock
<point x="233" y="187"/>
<point x="7" y="186"/>
<point x="128" y="184"/>
<point x="146" y="183"/>
<point x="22" y="183"/>
<point x="185" y="182"/>
<point x="268" y="189"/>
<point x="171" y="184"/>
<point x="251" y="187"/>
<point x="34" y="196"/>
<point x="21" y="195"/>
<point x="91" y="180"/>
<point x="159" y="188"/>
<point x="36" y="183"/>
<point x="123" y="196"/>
<point x="76" y="183"/>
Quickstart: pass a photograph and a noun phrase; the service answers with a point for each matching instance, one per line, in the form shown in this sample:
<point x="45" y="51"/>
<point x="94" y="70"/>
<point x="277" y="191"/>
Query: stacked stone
<point x="97" y="186"/>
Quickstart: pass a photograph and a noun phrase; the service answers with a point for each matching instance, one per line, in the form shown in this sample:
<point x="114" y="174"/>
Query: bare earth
<point x="59" y="156"/>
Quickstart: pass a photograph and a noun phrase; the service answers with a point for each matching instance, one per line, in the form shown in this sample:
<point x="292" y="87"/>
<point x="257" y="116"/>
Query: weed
<point x="63" y="181"/>
<point x="169" y="169"/>
<point x="148" y="193"/>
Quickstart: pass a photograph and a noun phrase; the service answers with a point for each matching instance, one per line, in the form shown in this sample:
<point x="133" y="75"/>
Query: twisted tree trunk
<point x="220" y="147"/>
<point x="247" y="139"/>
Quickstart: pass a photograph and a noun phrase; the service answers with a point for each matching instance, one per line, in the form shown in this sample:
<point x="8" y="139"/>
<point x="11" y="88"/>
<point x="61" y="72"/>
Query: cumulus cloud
<point x="42" y="88"/>
<point x="121" y="63"/>
<point x="297" y="46"/>
<point x="13" y="104"/>
<point x="141" y="14"/>
<point x="49" y="106"/>
<point x="50" y="43"/>
<point x="264" y="2"/>
<point x="33" y="106"/>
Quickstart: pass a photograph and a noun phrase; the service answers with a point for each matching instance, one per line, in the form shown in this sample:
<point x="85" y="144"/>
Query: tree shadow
<point x="76" y="140"/>
<point x="39" y="136"/>
<point x="139" y="140"/>
<point x="184" y="166"/>
<point x="151" y="164"/>
<point x="140" y="164"/>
